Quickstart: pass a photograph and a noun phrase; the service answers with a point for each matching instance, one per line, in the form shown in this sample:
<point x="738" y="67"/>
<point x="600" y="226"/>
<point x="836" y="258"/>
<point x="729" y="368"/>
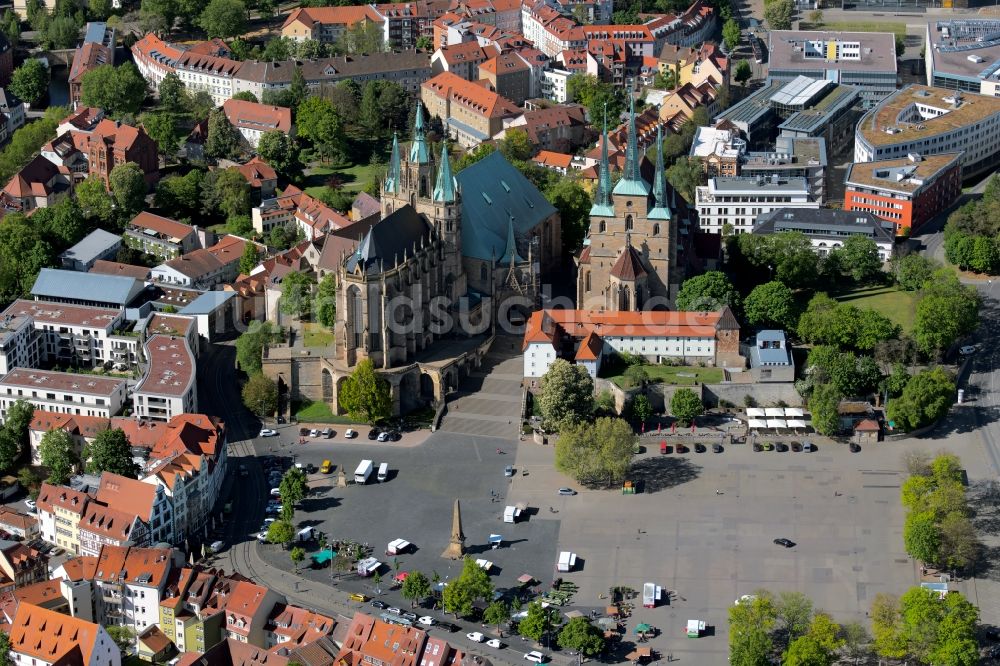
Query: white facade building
<point x="554" y="85"/>
<point x="18" y="343"/>
<point x="738" y="201"/>
<point x="168" y="388"/>
<point x="62" y="392"/>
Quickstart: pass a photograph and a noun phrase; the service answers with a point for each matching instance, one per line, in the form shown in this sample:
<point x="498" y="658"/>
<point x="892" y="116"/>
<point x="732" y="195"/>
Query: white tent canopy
<point x="776" y="423"/>
<point x="755" y="412"/>
<point x="758" y="423"/>
<point x="794" y="412"/>
<point x="774" y="412"/>
<point x="796" y="423"/>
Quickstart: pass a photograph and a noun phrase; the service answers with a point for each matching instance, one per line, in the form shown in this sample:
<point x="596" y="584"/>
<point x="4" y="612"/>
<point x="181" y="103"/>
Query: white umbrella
<point x="776" y="423"/>
<point x="794" y="412"/>
<point x="774" y="412"/>
<point x="796" y="423"/>
<point x="758" y="423"/>
<point x="755" y="412"/>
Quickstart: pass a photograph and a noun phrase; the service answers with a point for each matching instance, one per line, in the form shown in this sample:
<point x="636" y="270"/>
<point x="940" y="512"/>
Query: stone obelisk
<point x="456" y="546"/>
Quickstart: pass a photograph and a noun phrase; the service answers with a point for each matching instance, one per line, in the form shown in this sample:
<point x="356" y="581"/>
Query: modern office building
<point x="963" y="54"/>
<point x="865" y="60"/>
<point x="907" y="191"/>
<point x="929" y="121"/>
<point x="738" y="201"/>
<point x="827" y="229"/>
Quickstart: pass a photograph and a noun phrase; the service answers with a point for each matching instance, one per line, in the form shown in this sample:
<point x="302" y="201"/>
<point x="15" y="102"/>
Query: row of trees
<point x="972" y="232"/>
<point x="938" y="530"/>
<point x="110" y="451"/>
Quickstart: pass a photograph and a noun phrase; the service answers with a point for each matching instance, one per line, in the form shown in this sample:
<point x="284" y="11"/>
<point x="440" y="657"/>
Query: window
<point x="602" y="226"/>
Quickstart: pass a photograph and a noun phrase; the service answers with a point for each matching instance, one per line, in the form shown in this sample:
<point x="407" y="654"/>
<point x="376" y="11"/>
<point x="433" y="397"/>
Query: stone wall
<point x="765" y="394"/>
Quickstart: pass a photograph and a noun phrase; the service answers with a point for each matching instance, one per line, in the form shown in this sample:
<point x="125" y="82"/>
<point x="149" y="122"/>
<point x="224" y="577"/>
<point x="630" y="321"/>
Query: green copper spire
<point x="602" y="198"/>
<point x="632" y="183"/>
<point x="392" y="180"/>
<point x="659" y="187"/>
<point x="419" y="152"/>
<point x="444" y="189"/>
<point x="510" y="255"/>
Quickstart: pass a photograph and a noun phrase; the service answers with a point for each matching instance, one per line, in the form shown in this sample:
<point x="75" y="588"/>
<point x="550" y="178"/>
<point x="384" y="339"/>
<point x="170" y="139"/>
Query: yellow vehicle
<point x="358" y="597"/>
<point x="326" y="467"/>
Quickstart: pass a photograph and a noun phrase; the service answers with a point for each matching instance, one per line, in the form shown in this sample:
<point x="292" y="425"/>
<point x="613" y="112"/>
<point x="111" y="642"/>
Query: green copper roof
<point x="602" y="198"/>
<point x="510" y="254"/>
<point x="444" y="189"/>
<point x="419" y="152"/>
<point x="660" y="210"/>
<point x="392" y="180"/>
<point x="632" y="183"/>
<point x="496" y="199"/>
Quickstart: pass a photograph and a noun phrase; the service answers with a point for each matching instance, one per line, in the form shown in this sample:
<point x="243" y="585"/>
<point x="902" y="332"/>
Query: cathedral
<point x="629" y="259"/>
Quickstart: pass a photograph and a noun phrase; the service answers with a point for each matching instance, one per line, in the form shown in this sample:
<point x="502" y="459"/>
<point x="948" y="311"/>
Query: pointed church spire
<point x="603" y="195"/>
<point x="510" y="255"/>
<point x="395" y="172"/>
<point x="444" y="189"/>
<point x="631" y="183"/>
<point x="659" y="186"/>
<point x="419" y="153"/>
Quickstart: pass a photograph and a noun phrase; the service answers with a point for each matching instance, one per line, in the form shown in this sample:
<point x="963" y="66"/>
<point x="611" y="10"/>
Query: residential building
<point x="963" y="54"/>
<point x="509" y="75"/>
<point x="694" y="65"/>
<point x="155" y="59"/>
<point x="293" y="205"/>
<point x="719" y="150"/>
<point x="91" y="289"/>
<point x="98" y="244"/>
<point x="42" y="637"/>
<point x="149" y="502"/>
<point x="208" y="73"/>
<point x="203" y="268"/>
<point x="11" y="107"/>
<point x="327" y="24"/>
<point x="771" y="357"/>
<point x="117" y="268"/>
<point x="561" y="128"/>
<point x="403" y="23"/>
<point x="261" y="177"/>
<point x="555" y="85"/>
<point x="22" y="564"/>
<point x="372" y="641"/>
<point x="214" y="313"/>
<point x="907" y="191"/>
<point x="587" y="337"/>
<point x="161" y="236"/>
<point x="247" y="609"/>
<point x="102" y="525"/>
<point x="865" y="60"/>
<point x="677" y="106"/>
<point x="18" y="524"/>
<point x="87" y="395"/>
<point x="827" y="229"/>
<point x="735" y="203"/>
<point x="462" y="59"/>
<point x="98" y="48"/>
<point x="76" y="335"/>
<point x="929" y="121"/>
<point x="129" y="583"/>
<point x="19" y="346"/>
<point x="60" y="510"/>
<point x="168" y="386"/>
<point x="191" y="612"/>
<point x="252" y="120"/>
<point x="39" y="184"/>
<point x="288" y="626"/>
<point x="152" y="645"/>
<point x="471" y="112"/>
<point x="82" y="429"/>
<point x="112" y="143"/>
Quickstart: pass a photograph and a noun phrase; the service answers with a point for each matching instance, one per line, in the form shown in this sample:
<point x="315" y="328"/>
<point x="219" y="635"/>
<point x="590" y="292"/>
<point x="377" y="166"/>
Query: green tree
<point x="123" y="637"/>
<point x="497" y="614"/>
<point x="294" y="486"/>
<point x="281" y="531"/>
<point x="296" y="555"/>
<point x="227" y="192"/>
<point x="58" y="454"/>
<point x="296" y="294"/>
<point x="5" y="647"/>
<point x="596" y="453"/>
<point x="750" y="627"/>
<point x="281" y="152"/>
<point x="416" y="587"/>
<point x="926" y="398"/>
<point x="111" y="452"/>
<point x="200" y="105"/>
<point x="823" y="405"/>
<point x="119" y="90"/>
<point x="366" y="394"/>
<point x="685" y="175"/>
<point x="24" y="251"/>
<point x="770" y="304"/>
<point x="471" y="585"/>
<point x="537" y="622"/>
<point x="260" y="395"/>
<point x="640" y="409"/>
<point x="326" y="304"/>
<point x="180" y="196"/>
<point x="250" y="258"/>
<point x="635" y="375"/>
<point x="792" y="613"/>
<point x="942" y="319"/>
<point x="516" y="146"/>
<point x="223" y="140"/>
<point x="597" y="96"/>
<point x="30" y="81"/>
<point x="913" y="271"/>
<point x="362" y="38"/>
<point x="778" y="14"/>
<point x="887" y="627"/>
<point x="859" y="255"/>
<point x="10" y="26"/>
<point x="567" y="395"/>
<point x="921" y="536"/>
<point x="857" y="641"/>
<point x="580" y="635"/>
<point x="94" y="199"/>
<point x="731" y="34"/>
<point x="686" y="406"/>
<point x="224" y="18"/>
<point x="250" y="345"/>
<point x="162" y="129"/>
<point x="158" y="15"/>
<point x="900" y="46"/>
<point x="743" y="73"/>
<point x="128" y="188"/>
<point x="573" y="203"/>
<point x="62" y="32"/>
<point x="707" y="292"/>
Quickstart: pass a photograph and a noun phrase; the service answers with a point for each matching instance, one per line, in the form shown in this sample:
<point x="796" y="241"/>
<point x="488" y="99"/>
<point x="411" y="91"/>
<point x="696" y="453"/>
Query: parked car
<point x="412" y="617"/>
<point x="303" y="432"/>
<point x="567" y="491"/>
<point x="757" y="447"/>
<point x="967" y="350"/>
<point x="276" y="492"/>
<point x="796" y="447"/>
<point x="508" y="470"/>
<point x="378" y="604"/>
<point x="682" y="449"/>
<point x="787" y="543"/>
<point x="262" y="537"/>
<point x="495" y="643"/>
<point x="394" y="436"/>
<point x="350" y="433"/>
<point x="30" y="503"/>
<point x="475" y="636"/>
<point x="768" y="446"/>
<point x="217" y="546"/>
<point x="327" y="433"/>
<point x="781" y="448"/>
<point x="314" y="433"/>
<point x="855" y="447"/>
<point x="374" y="433"/>
<point x="393" y="610"/>
<point x="383" y="437"/>
<point x="809" y="447"/>
<point x="267" y="432"/>
<point x="717" y="448"/>
<point x="448" y="626"/>
<point x="427" y="621"/>
<point x="699" y="448"/>
<point x="536" y="657"/>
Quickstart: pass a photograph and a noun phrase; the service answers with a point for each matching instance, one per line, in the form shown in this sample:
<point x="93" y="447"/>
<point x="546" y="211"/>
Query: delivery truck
<point x="567" y="561"/>
<point x="398" y="547"/>
<point x="511" y="514"/>
<point x="363" y="471"/>
<point x="651" y="595"/>
<point x="368" y="566"/>
<point x="383" y="472"/>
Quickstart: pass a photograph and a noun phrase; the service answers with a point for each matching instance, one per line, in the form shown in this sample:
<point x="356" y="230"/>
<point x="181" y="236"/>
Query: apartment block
<point x="728" y="202"/>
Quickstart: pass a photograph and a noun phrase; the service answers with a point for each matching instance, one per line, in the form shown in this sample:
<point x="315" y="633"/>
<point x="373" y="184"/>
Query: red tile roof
<point x="128" y="494"/>
<point x="260" y="117"/>
<point x="50" y="497"/>
<point x="49" y="636"/>
<point x="473" y="96"/>
<point x="545" y="325"/>
<point x="629" y="266"/>
<point x="256" y="171"/>
<point x="161" y="225"/>
<point x="105" y="267"/>
<point x="345" y="16"/>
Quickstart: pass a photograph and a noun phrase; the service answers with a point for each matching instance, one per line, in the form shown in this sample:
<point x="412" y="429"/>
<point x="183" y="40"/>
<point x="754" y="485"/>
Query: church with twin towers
<point x="629" y="258"/>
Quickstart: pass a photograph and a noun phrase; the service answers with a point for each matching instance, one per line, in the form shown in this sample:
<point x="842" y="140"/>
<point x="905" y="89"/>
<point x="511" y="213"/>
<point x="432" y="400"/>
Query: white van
<point x="383" y="472"/>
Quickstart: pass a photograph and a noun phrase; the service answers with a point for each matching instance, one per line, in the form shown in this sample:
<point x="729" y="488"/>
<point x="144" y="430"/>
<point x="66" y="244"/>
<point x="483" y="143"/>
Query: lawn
<point x="898" y="29"/>
<point x="318" y="412"/>
<point x="894" y="303"/>
<point x="683" y="375"/>
<point x="354" y="178"/>
<point x="316" y="335"/>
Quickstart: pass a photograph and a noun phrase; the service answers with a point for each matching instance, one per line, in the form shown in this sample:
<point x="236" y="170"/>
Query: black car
<point x="412" y="617"/>
<point x="796" y="447"/>
<point x="758" y="448"/>
<point x="855" y="447"/>
<point x="374" y="433"/>
<point x="378" y="604"/>
<point x="394" y="436"/>
<point x="699" y="448"/>
<point x="787" y="543"/>
<point x="780" y="448"/>
<point x="682" y="449"/>
<point x="447" y="626"/>
<point x="717" y="448"/>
